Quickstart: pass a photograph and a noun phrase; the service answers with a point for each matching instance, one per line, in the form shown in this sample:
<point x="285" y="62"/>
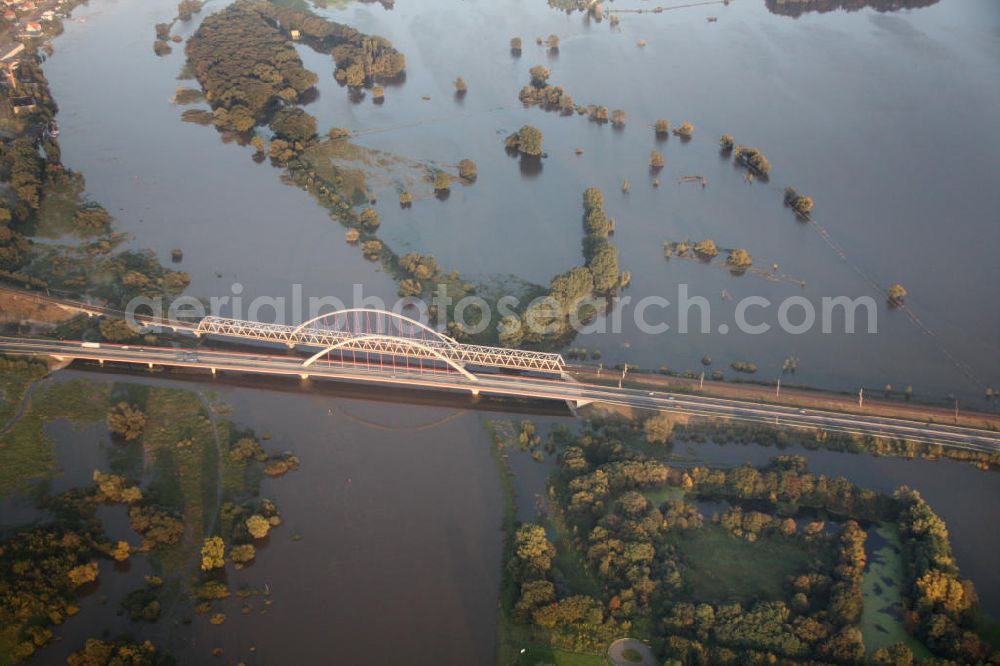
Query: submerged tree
<point x="753" y="158"/>
<point x="897" y="293"/>
<point x="685" y="131"/>
<point x="618" y="118"/>
<point x="802" y="205"/>
<point x="661" y="127"/>
<point x="739" y="260"/>
<point x="515" y="45"/>
<point x="593" y="199"/>
<point x="656" y="160"/>
<point x="539" y="75"/>
<point x="442" y="182"/>
<point x="213" y="552"/>
<point x="706" y="248"/>
<point x="726" y="143"/>
<point x="370" y="218"/>
<point x="460" y="86"/>
<point x="126" y="421"/>
<point x="467" y="170"/>
<point x="553" y="42"/>
<point x="527" y="141"/>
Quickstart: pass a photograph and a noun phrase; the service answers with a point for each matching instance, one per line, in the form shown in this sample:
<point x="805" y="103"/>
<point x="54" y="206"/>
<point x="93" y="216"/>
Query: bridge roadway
<point x="521" y="387"/>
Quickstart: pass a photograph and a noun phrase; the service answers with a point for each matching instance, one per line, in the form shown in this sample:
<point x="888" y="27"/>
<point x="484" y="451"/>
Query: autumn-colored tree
<point x="370" y="218"/>
<point x="685" y="131"/>
<point x="121" y="551"/>
<point x="355" y="75"/>
<point x="213" y="552"/>
<point x="442" y="182"/>
<point x="706" y="248"/>
<point x="897" y="293"/>
<point x="529" y="141"/>
<point x="83" y="574"/>
<point x="533" y="550"/>
<point x="258" y="526"/>
<point x="467" y="169"/>
<point x="126" y="421"/>
<point x="242" y="555"/>
<point x="372" y="249"/>
<point x="739" y="259"/>
<point x="593" y="199"/>
<point x="539" y="75"/>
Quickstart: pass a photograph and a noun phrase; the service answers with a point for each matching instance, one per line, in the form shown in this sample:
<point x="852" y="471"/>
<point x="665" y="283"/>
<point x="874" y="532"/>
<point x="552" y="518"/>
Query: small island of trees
<point x="802" y="205"/>
<point x="526" y="141"/>
<point x="468" y="170"/>
<point x="753" y="159"/>
<point x="739" y="260"/>
<point x="684" y="131"/>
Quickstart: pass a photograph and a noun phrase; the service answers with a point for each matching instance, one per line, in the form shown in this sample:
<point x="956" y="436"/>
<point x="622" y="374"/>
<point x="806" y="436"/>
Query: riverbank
<point x="796" y="396"/>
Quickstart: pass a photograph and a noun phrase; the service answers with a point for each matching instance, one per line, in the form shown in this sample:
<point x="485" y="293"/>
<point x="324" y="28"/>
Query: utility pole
<point x="777" y="389"/>
<point x="861" y="397"/>
<point x="956" y="410"/>
<point x="701" y="382"/>
<point x="624" y="371"/>
<point x="600" y="366"/>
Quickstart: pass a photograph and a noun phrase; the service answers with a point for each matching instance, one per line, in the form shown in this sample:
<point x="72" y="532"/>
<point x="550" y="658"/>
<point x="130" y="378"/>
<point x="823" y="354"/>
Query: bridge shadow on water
<point x="330" y="388"/>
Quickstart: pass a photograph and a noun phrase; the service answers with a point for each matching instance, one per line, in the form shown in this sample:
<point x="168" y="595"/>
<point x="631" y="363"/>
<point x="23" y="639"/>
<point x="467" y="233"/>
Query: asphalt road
<point x="518" y="386"/>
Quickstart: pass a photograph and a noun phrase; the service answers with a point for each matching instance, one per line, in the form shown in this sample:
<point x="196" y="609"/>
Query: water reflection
<point x="796" y="8"/>
<point x="530" y="166"/>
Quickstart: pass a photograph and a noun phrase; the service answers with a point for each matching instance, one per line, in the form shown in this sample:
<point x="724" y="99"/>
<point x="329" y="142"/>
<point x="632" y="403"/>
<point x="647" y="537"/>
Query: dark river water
<point x="886" y="119"/>
<point x="390" y="545"/>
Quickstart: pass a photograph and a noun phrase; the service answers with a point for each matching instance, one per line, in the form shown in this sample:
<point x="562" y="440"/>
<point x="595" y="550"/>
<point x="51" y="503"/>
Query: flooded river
<point x="887" y="119"/>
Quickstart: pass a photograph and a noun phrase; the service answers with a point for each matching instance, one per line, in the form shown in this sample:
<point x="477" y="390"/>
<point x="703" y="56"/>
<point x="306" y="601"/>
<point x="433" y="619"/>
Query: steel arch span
<point x="390" y="346"/>
<point x="364" y="321"/>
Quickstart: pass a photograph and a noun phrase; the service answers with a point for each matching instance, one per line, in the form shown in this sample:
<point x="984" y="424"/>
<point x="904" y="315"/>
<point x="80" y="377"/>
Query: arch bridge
<point x="383" y="340"/>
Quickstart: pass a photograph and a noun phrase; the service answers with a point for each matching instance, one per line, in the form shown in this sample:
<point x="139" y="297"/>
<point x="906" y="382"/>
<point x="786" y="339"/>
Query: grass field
<point x="721" y="567"/>
<point x="881" y="623"/>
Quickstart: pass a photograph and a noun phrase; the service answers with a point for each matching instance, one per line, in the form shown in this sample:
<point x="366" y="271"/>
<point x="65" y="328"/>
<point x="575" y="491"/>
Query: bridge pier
<point x="304" y="375"/>
<point x="213" y="372"/>
<point x="577" y="404"/>
<point x="150" y="366"/>
<point x="100" y="362"/>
